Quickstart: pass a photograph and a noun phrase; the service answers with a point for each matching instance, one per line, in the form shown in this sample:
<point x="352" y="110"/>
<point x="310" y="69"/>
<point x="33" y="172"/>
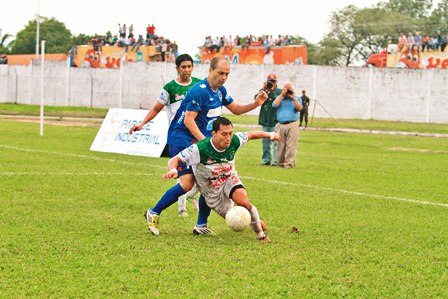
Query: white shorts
<point x="222" y="203"/>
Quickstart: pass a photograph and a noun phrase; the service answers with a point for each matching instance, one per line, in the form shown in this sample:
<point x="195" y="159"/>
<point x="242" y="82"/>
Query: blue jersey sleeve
<point x="196" y="99"/>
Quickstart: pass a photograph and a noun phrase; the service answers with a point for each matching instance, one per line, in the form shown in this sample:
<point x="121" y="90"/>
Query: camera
<point x="289" y="92"/>
<point x="269" y="84"/>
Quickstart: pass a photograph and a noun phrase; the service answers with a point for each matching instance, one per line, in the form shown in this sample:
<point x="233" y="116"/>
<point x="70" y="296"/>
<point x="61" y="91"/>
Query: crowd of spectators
<point x="421" y="43"/>
<point x="227" y="42"/>
<point x="126" y="38"/>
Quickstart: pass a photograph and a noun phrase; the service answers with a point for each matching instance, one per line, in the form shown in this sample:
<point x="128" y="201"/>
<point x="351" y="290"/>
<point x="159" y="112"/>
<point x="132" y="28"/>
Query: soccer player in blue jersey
<point x="193" y="122"/>
<point x="213" y="163"/>
<point x="170" y="98"/>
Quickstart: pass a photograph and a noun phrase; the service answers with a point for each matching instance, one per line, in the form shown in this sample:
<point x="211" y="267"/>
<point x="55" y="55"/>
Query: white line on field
<point x="11" y="173"/>
<point x="250" y="178"/>
<point x="350" y="192"/>
<point x="75" y="155"/>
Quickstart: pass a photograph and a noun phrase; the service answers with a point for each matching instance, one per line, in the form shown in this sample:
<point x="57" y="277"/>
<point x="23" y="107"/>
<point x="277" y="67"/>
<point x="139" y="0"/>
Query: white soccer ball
<point x="238" y="218"/>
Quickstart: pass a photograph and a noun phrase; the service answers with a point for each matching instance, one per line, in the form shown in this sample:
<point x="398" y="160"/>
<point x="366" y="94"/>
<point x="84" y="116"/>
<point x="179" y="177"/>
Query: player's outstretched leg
<point x="182" y="206"/>
<point x="201" y="227"/>
<point x="256" y="225"/>
<point x="153" y="214"/>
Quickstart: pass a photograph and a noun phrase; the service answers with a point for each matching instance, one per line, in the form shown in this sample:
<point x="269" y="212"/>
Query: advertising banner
<point x="113" y="135"/>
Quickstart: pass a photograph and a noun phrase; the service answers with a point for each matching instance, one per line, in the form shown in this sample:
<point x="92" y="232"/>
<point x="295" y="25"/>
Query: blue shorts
<point x="182" y="168"/>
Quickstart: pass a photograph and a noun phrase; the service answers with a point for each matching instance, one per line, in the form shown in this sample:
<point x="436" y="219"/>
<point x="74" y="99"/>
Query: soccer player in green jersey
<point x="171" y="97"/>
<point x="213" y="162"/>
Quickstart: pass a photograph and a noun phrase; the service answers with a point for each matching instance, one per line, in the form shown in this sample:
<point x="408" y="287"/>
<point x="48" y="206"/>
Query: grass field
<point x="371" y="212"/>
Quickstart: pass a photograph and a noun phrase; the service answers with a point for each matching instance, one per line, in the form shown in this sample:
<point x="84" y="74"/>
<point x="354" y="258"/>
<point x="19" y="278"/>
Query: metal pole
<point x="120" y="97"/>
<point x="67" y="85"/>
<point x="31" y="82"/>
<point x="37" y="29"/>
<point x="42" y="91"/>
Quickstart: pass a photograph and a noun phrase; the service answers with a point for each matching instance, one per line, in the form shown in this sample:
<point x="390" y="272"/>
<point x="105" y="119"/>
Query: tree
<point x="57" y="37"/>
<point x="413" y="8"/>
<point x="4" y="46"/>
<point x="328" y="52"/>
<point x="343" y="38"/>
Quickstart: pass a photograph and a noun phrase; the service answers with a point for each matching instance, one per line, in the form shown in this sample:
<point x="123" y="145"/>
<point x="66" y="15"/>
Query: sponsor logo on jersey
<point x="179" y="97"/>
<point x="202" y="85"/>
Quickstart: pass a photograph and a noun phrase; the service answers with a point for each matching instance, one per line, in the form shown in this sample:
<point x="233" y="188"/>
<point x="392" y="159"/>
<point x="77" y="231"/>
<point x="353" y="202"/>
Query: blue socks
<point x="204" y="212"/>
<point x="168" y="199"/>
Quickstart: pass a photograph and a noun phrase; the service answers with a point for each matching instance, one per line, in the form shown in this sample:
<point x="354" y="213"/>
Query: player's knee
<point x="186" y="183"/>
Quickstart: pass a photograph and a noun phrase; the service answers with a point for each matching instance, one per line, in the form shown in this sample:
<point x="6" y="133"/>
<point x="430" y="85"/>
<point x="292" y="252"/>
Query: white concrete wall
<point x="340" y="92"/>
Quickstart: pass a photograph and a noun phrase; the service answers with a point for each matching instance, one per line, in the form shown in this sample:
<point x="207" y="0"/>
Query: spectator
<point x="138" y="43"/>
<point x="417" y="41"/>
<point x="410" y="41"/>
<point x="163" y="48"/>
<point x="432" y="43"/>
<point x="443" y="43"/>
<point x="287" y="115"/>
<point x="150" y="31"/>
<point x="174" y="49"/>
<point x="114" y="40"/>
<point x="3" y="59"/>
<point x="402" y="42"/>
<point x="304" y="111"/>
<point x="438" y="42"/>
<point x="268" y="119"/>
<point x="122" y="30"/>
<point x="425" y="43"/>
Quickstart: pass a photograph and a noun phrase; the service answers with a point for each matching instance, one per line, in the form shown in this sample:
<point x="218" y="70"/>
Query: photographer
<point x="268" y="119"/>
<point x="289" y="106"/>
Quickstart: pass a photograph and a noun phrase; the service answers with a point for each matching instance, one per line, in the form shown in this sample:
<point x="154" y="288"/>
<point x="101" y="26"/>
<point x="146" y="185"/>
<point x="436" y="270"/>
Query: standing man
<point x="268" y="119"/>
<point x="213" y="161"/>
<point x="193" y="122"/>
<point x="287" y="115"/>
<point x="304" y="111"/>
<point x="171" y="97"/>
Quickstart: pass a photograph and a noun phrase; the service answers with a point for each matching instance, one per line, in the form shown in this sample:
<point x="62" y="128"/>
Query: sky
<point x="186" y="22"/>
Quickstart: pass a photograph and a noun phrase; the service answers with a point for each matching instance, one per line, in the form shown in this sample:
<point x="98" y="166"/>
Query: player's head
<point x="218" y="72"/>
<point x="184" y="66"/>
<point x="222" y="133"/>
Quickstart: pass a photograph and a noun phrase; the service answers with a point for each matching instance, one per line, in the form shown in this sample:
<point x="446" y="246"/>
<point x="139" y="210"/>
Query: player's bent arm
<point x="260" y="134"/>
<point x="150" y="116"/>
<point x="240" y="109"/>
<point x="172" y="166"/>
<point x="190" y="123"/>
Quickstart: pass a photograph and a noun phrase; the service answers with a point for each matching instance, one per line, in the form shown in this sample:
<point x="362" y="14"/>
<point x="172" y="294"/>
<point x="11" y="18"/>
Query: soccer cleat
<point x="193" y="202"/>
<point x="264" y="239"/>
<point x="153" y="222"/>
<point x="202" y="231"/>
<point x="183" y="213"/>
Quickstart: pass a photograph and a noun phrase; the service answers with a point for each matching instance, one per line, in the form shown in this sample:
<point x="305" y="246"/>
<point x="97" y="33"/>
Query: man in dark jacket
<point x="268" y="119"/>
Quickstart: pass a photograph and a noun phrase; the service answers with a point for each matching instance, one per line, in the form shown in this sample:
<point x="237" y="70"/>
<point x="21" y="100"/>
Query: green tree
<point x="328" y="52"/>
<point x="4" y="45"/>
<point x="412" y="8"/>
<point x="343" y="37"/>
<point x="57" y="37"/>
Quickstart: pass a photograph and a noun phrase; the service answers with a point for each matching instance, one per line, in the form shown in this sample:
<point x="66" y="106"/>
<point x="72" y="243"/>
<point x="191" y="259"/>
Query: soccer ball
<point x="238" y="218"/>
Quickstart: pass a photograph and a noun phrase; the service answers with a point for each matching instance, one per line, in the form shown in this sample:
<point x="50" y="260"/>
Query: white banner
<point x="114" y="137"/>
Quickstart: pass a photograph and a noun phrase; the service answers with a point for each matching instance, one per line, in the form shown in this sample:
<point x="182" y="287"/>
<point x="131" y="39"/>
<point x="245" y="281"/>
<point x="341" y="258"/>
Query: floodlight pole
<point x="42" y="90"/>
<point x="37" y="29"/>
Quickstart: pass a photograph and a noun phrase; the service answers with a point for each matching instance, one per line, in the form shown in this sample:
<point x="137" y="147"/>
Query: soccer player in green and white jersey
<point x="171" y="97"/>
<point x="213" y="163"/>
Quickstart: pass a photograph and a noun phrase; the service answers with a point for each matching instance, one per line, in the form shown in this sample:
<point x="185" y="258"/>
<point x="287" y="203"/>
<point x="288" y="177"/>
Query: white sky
<point x="186" y="22"/>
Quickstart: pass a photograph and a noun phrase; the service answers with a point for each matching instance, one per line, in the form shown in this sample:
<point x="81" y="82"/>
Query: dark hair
<point x="183" y="57"/>
<point x="221" y="121"/>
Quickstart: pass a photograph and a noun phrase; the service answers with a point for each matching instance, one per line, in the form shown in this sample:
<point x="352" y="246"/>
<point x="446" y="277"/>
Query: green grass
<point x="63" y="111"/>
<point x="72" y="221"/>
